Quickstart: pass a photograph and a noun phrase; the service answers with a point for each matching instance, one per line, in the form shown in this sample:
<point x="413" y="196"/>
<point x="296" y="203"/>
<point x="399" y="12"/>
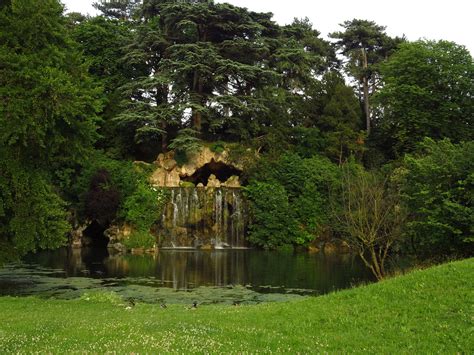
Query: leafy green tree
<point x="103" y="42"/>
<point x="366" y="45"/>
<point x="48" y="107"/>
<point x="294" y="187"/>
<point x="220" y="70"/>
<point x="438" y="189"/>
<point x="428" y="92"/>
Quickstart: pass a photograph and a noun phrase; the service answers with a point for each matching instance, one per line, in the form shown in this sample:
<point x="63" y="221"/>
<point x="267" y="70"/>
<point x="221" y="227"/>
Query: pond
<point x="183" y="276"/>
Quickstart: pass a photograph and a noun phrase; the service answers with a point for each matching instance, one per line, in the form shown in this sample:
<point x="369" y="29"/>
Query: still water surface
<point x="183" y="276"/>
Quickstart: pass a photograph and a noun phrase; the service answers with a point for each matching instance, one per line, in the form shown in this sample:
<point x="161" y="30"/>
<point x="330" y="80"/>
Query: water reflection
<point x="266" y="272"/>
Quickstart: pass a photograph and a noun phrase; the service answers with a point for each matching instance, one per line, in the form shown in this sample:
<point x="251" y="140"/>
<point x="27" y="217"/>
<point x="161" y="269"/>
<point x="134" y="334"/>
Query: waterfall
<point x="175" y="209"/>
<point x="218" y="217"/>
<point x="203" y="217"/>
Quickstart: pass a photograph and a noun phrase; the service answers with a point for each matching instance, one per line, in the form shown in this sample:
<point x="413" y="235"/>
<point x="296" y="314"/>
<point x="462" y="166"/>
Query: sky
<point x="427" y="19"/>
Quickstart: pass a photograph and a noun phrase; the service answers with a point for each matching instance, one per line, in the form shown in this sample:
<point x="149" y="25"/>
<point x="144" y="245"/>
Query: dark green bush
<point x="271" y="222"/>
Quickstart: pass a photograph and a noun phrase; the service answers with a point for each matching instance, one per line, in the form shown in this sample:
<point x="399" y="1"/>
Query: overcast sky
<point x="431" y="19"/>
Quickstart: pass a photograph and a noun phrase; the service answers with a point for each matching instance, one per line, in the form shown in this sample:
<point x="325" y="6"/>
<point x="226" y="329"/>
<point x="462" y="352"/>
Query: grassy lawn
<point x="424" y="312"/>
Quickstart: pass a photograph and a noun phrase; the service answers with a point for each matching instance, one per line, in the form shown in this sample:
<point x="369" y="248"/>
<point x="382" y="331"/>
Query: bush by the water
<point x="112" y="190"/>
<point x="144" y="206"/>
<point x="140" y="239"/>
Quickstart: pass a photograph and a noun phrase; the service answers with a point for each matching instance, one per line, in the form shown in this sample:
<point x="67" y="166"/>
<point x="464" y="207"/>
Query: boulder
<point x="213" y="181"/>
<point x="163" y="177"/>
<point x="233" y="181"/>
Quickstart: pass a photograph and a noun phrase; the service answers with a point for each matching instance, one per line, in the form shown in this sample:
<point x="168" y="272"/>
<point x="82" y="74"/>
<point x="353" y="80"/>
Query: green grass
<point x="427" y="311"/>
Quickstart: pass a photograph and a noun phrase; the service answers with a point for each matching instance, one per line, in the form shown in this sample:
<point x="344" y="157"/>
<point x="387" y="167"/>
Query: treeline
<point x="148" y="76"/>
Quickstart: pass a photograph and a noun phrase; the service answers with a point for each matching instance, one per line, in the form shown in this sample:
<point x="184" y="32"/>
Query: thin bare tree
<point x="371" y="217"/>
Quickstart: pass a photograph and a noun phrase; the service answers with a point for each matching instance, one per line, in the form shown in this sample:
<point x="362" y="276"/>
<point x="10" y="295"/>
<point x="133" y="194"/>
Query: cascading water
<point x="203" y="217"/>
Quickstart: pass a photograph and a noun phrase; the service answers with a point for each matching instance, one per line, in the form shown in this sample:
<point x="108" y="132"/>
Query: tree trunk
<point x="197" y="120"/>
<point x="164" y="137"/>
<point x="365" y="85"/>
<point x="196" y="115"/>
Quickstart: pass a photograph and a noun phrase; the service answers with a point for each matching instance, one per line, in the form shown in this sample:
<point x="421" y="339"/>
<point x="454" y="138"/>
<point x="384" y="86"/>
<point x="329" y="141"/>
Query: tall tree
<point x="103" y="42"/>
<point x="199" y="60"/>
<point x="428" y="92"/>
<point x="365" y="44"/>
<point x="118" y="9"/>
<point x="48" y="106"/>
<point x="339" y="119"/>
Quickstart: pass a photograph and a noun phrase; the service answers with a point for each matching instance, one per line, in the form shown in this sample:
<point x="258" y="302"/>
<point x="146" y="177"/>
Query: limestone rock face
<point x="203" y="164"/>
<point x="116" y="235"/>
<point x="233" y="181"/>
<point x="77" y="235"/>
<point x="213" y="181"/>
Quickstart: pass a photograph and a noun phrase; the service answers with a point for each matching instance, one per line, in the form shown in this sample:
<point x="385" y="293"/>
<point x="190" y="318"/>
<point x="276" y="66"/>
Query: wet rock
<point x="117" y="247"/>
<point x="77" y="236"/>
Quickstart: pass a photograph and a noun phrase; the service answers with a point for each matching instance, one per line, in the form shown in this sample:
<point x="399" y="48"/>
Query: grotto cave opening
<point x="220" y="170"/>
<point x="93" y="236"/>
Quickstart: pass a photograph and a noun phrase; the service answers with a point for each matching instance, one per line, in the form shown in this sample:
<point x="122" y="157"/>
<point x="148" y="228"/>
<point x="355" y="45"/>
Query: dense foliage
<point x="428" y="92"/>
<point x="438" y="188"/>
<point x="48" y="107"/>
<point x="289" y="198"/>
<point x="111" y="190"/>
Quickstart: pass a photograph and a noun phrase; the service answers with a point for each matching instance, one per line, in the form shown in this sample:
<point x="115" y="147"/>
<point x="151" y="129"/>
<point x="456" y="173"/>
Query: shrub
<point x="186" y="142"/>
<point x="271" y="223"/>
<point x="141" y="209"/>
<point x="117" y="190"/>
<point x="218" y="147"/>
<point x="140" y="239"/>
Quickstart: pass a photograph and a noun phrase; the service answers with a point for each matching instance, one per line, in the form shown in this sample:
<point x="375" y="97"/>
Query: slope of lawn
<point x="425" y="311"/>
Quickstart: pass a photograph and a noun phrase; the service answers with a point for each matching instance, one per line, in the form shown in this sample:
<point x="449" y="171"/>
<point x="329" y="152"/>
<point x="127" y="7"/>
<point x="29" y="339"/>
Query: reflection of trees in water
<point x="185" y="270"/>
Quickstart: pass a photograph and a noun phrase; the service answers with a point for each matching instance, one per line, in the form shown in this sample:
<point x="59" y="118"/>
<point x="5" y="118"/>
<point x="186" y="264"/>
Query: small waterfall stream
<point x="203" y="218"/>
